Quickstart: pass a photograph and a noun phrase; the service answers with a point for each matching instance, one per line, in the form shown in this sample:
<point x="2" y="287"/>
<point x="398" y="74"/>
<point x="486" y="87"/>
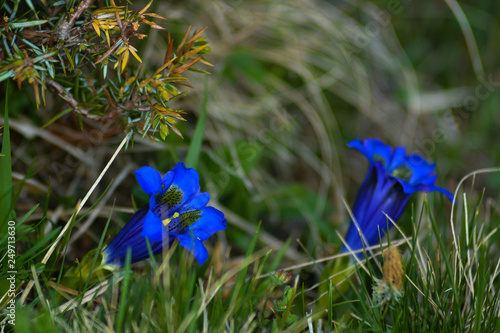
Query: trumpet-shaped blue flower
<point x="176" y="210"/>
<point x="393" y="176"/>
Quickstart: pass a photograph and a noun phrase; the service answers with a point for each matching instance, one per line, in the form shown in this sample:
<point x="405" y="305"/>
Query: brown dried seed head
<point x="393" y="268"/>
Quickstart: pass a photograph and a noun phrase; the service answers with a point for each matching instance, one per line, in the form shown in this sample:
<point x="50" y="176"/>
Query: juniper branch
<point x="113" y="111"/>
<point x="68" y="98"/>
<point x="62" y="32"/>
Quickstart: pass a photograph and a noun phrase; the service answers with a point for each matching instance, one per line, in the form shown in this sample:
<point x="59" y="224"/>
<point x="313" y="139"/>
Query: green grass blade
<point x="40" y="244"/>
<point x="123" y="308"/>
<point x="57" y="116"/>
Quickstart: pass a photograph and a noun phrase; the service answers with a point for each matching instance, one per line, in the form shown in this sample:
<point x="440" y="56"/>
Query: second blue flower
<point x="393" y="176"/>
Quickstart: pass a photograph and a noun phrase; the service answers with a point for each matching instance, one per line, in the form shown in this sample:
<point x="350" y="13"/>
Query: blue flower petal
<point x="167" y="179"/>
<point x="149" y="179"/>
<point x="194" y="245"/>
<point x="199" y="201"/>
<point x="126" y="236"/>
<point x="210" y="221"/>
<point x="374" y="149"/>
<point x="379" y="194"/>
<point x="448" y="194"/>
<point x="130" y="237"/>
<point x="408" y="188"/>
<point x="153" y="202"/>
<point x="187" y="180"/>
<point x="368" y="190"/>
<point x="153" y="227"/>
<point x="397" y="159"/>
<point x="421" y="169"/>
<point x="357" y="144"/>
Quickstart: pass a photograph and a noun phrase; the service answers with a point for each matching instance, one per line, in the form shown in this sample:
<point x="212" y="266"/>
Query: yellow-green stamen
<point x="403" y="172"/>
<point x="167" y="221"/>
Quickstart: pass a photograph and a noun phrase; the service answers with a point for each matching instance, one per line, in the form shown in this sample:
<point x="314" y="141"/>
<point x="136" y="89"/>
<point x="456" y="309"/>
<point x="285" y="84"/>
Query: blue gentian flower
<point x="393" y="176"/>
<point x="176" y="211"/>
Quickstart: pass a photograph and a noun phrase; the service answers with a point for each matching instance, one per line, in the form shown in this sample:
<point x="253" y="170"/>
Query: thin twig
<point x="62" y="31"/>
<point x="68" y="98"/>
<point x="95" y="212"/>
